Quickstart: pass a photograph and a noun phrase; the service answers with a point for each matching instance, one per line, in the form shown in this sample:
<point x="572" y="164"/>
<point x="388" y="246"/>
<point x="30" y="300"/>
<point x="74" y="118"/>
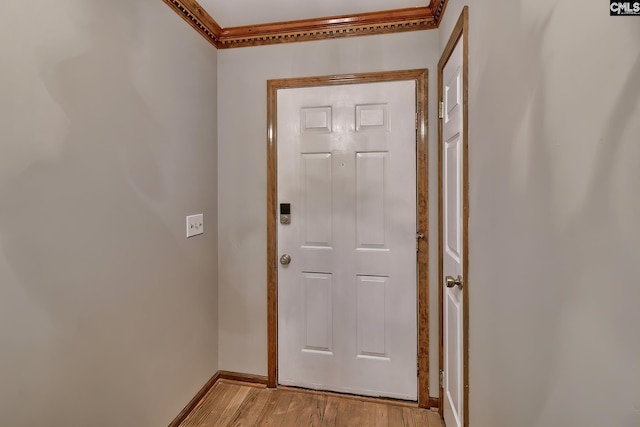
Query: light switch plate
<point x="195" y="225"/>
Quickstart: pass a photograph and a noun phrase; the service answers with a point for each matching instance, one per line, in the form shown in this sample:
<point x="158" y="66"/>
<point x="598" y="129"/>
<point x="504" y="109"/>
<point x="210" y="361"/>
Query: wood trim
<point x="194" y="402"/>
<point x="272" y="234"/>
<point x="390" y="21"/>
<point x="421" y="78"/>
<point x="422" y="171"/>
<point x="434" y="402"/>
<point x="437" y="9"/>
<point x="220" y="375"/>
<point x="440" y="251"/>
<point x="330" y="27"/>
<point x="460" y="31"/>
<point x="198" y="18"/>
<point x="245" y="378"/>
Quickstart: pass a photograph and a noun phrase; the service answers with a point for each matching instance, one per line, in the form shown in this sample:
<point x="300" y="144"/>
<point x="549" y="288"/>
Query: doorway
<point x="453" y="207"/>
<point x="346" y="208"/>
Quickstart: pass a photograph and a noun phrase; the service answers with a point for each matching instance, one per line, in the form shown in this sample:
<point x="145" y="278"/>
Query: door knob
<point x="285" y="259"/>
<point x="451" y="282"/>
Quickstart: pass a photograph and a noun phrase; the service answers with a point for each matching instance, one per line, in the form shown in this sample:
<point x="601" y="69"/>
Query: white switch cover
<point x="195" y="225"/>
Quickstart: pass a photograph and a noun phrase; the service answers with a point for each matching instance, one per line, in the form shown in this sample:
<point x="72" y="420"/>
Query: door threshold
<point x="386" y="400"/>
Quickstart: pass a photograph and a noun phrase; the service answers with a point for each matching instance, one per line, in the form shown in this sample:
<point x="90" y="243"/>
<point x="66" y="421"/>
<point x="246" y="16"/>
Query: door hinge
<point x="418" y="367"/>
<point x="419" y="236"/>
<point x="416" y="120"/>
<point x="441" y="378"/>
<point x="441" y="110"/>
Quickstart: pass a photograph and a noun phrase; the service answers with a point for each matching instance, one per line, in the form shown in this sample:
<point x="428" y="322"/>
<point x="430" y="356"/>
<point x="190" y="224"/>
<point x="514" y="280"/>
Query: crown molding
<point x="198" y="18"/>
<point x="384" y="22"/>
<point x="391" y="21"/>
<point x="437" y="8"/>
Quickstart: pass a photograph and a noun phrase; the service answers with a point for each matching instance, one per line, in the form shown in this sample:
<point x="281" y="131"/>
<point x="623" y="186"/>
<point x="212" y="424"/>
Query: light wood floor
<point x="235" y="404"/>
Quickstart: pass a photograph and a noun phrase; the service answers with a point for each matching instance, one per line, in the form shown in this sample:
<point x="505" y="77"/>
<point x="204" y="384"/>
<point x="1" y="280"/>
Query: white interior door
<point x="452" y="187"/>
<point x="347" y="300"/>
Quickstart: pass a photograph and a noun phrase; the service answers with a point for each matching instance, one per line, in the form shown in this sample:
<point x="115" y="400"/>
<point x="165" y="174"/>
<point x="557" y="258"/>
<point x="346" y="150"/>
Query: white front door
<point x="347" y="300"/>
<point x="452" y="197"/>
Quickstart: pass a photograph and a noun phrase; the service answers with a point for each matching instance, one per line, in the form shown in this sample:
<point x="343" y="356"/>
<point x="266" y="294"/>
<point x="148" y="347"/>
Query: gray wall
<point x="108" y="126"/>
<point x="242" y="171"/>
<point x="108" y="314"/>
<point x="554" y="238"/>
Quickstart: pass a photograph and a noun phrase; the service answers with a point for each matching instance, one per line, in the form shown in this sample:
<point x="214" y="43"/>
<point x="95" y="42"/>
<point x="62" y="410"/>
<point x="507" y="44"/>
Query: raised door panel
<point x="453" y="339"/>
<point x="372" y="318"/>
<point x="317" y="306"/>
<point x="372" y="117"/>
<point x="317" y="200"/>
<point x="315" y="120"/>
<point x="452" y="206"/>
<point x="371" y="195"/>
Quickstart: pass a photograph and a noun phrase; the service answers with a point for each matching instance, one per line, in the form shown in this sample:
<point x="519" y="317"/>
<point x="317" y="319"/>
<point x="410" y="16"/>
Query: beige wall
<point x="554" y="239"/>
<point x="108" y="314"/>
<point x="242" y="81"/>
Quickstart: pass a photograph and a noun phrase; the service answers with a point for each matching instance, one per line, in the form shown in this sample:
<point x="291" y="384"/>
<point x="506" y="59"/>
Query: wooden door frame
<point x="460" y="33"/>
<point x="420" y="76"/>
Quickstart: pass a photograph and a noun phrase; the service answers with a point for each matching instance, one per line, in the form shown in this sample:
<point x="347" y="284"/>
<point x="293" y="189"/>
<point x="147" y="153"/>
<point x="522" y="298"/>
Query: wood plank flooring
<point x="236" y="404"/>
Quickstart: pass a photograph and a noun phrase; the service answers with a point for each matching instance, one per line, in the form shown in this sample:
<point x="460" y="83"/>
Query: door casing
<point x="421" y="78"/>
<point x="459" y="33"/>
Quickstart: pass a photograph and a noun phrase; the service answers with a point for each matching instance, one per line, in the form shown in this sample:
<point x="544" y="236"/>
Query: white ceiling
<point x="233" y="13"/>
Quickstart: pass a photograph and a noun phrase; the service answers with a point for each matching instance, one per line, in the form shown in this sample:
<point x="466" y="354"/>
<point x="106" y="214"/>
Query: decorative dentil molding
<point x="198" y="18"/>
<point x="391" y="21"/>
<point x="385" y="22"/>
<point x="437" y="9"/>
